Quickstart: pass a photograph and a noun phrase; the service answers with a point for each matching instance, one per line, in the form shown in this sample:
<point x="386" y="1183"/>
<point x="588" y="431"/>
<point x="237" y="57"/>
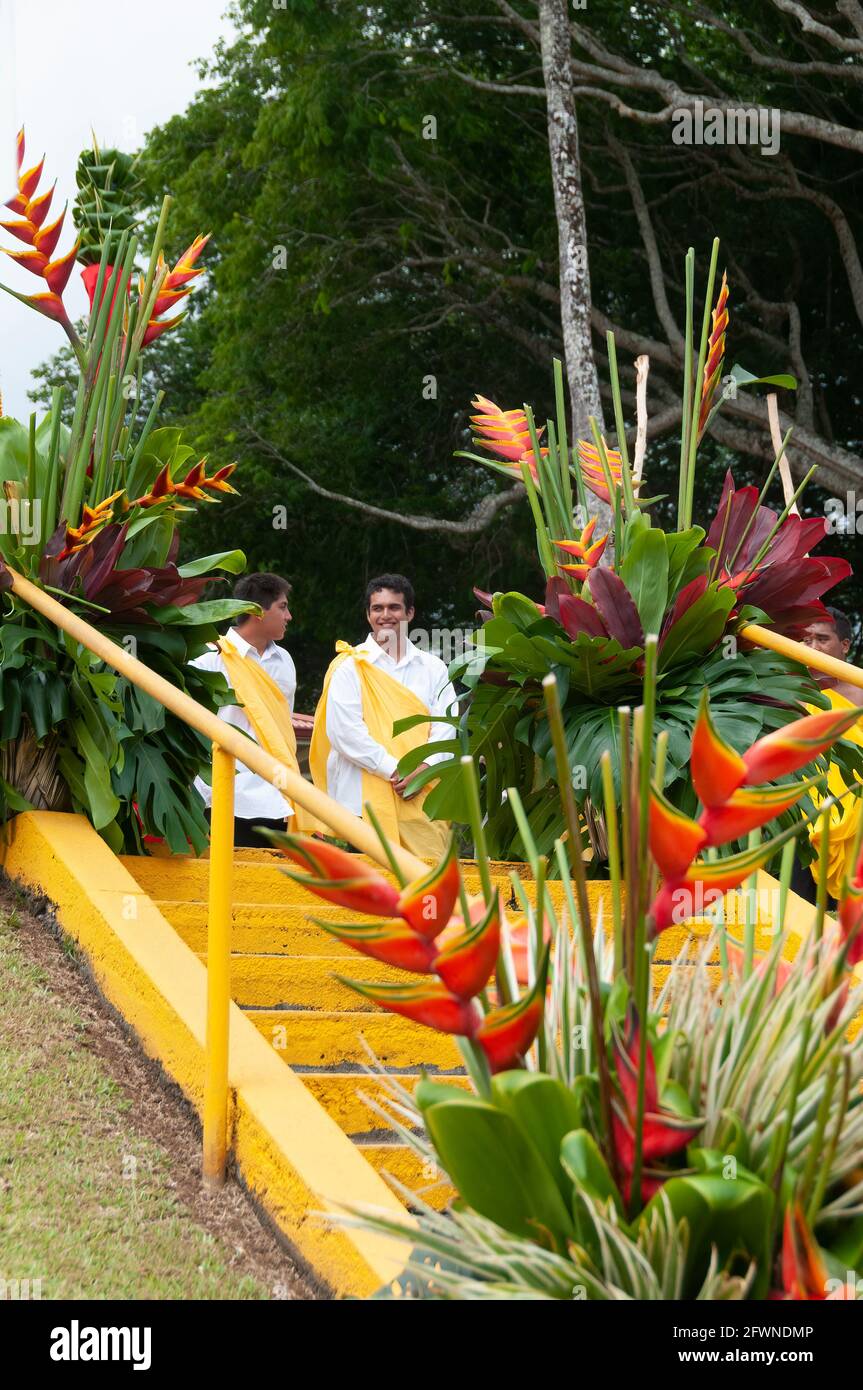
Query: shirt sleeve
<point x="346" y="727"/>
<point x="442" y="700"/>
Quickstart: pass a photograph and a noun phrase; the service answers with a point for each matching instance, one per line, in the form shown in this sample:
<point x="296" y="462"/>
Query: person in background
<point x="354" y="753"/>
<point x="256" y="637"/>
<point x="833" y="638"/>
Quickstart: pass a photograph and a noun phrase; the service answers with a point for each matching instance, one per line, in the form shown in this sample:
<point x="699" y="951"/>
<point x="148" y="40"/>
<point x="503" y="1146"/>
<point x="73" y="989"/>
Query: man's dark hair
<point x="843" y="627"/>
<point x="397" y="583"/>
<point x="263" y="589"/>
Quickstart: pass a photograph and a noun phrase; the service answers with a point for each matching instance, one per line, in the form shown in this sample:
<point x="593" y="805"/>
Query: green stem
<point x="687" y="389"/>
<point x="575" y="850"/>
<point x="400" y="878"/>
<point x="614" y="882"/>
<point x="698" y="386"/>
<point x="753" y="841"/>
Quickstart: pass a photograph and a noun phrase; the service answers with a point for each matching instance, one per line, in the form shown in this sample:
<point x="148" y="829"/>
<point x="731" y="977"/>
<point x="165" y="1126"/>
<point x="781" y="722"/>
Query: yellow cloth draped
<point x="844" y="817"/>
<point x="384" y="701"/>
<point x="269" y="715"/>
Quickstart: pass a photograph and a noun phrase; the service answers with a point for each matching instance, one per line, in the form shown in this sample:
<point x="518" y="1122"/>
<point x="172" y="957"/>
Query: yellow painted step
<point x="343" y="1096"/>
<point x="408" y="1167"/>
<point x="312" y="1038"/>
<point x="266" y="929"/>
<point x="307" y="982"/>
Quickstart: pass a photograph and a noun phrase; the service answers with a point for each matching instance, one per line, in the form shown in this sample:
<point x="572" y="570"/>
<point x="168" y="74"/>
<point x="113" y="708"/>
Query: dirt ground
<point x="157" y="1111"/>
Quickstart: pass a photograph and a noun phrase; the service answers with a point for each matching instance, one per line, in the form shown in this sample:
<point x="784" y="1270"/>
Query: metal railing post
<point x="219" y="969"/>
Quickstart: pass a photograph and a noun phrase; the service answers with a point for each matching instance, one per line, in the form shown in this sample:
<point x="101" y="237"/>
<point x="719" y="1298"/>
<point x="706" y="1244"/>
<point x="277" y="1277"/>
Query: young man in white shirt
<point x="389" y="605"/>
<point x="256" y="638"/>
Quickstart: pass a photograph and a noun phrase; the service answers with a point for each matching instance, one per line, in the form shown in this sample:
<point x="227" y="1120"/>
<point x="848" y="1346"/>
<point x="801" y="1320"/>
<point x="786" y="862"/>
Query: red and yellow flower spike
<point x="175" y="286"/>
<point x="93" y="519"/>
<point x="716" y="768"/>
<point x="502" y="432"/>
<point x="674" y="838"/>
<point x="388" y="941"/>
<point x="466" y="963"/>
<point x="41" y="241"/>
<point x="715" y="354"/>
<point x="748" y="808"/>
<point x="338" y="877"/>
<point x="593" y="473"/>
<point x="428" y="1002"/>
<point x="427" y="904"/>
<point x="791" y="747"/>
<point x="586" y="551"/>
<point x="506" y="1033"/>
<point x="804" y="1274"/>
<point x="194" y="486"/>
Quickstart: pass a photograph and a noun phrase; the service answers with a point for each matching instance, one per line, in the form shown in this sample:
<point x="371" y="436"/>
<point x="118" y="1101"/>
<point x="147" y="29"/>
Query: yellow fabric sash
<point x="844" y="816"/>
<point x="268" y="713"/>
<point x="384" y="701"/>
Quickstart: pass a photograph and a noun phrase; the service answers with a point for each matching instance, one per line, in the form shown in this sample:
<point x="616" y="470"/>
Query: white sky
<point x="67" y="66"/>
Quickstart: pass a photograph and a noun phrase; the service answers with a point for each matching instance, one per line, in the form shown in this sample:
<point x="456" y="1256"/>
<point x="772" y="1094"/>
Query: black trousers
<point x="246" y="832"/>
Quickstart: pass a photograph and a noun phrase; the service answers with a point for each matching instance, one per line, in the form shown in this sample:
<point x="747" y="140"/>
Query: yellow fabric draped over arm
<point x="385" y="700"/>
<point x="844" y="817"/>
<point x="267" y="711"/>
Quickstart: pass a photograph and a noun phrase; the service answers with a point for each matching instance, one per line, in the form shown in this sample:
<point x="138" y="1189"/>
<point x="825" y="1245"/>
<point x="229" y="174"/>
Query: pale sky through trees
<point x="67" y="66"/>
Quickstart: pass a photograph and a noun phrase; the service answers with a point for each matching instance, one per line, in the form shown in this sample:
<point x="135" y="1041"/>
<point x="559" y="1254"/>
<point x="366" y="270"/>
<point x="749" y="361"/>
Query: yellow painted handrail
<point x="798" y="651"/>
<point x="228" y="744"/>
<point x="344" y="825"/>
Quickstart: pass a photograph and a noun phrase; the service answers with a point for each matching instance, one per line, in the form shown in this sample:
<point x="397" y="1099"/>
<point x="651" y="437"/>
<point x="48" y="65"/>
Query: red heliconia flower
<point x="746" y="810"/>
<point x="337" y="876"/>
<point x="427" y="904"/>
<point x="502" y="432"/>
<point x="851" y="915"/>
<point x="466" y="963"/>
<point x="593" y="473"/>
<point x="794" y="745"/>
<point x="716" y="768"/>
<point x="662" y="1132"/>
<point x="506" y="1033"/>
<point x="586" y="551"/>
<point x="715" y="355"/>
<point x="194" y="486"/>
<point x="804" y="1273"/>
<point x="93" y="519"/>
<point x="388" y="941"/>
<point x="674" y="839"/>
<point x="702" y="885"/>
<point x="428" y="1002"/>
<point x="90" y="277"/>
<point x="175" y="286"/>
<point x="40" y="240"/>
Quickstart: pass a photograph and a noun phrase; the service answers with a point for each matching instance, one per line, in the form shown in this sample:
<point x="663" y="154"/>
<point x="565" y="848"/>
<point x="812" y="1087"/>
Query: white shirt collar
<point x="244" y="647"/>
<point x="378" y="653"/>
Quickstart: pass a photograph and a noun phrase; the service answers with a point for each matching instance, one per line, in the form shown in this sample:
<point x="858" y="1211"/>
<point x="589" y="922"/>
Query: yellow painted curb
<point x="291" y="1155"/>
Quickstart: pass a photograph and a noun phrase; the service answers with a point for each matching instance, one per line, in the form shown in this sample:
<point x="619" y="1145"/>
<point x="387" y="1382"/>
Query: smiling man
<point x="256" y="638"/>
<point x="354" y="752"/>
<point x="833" y="638"/>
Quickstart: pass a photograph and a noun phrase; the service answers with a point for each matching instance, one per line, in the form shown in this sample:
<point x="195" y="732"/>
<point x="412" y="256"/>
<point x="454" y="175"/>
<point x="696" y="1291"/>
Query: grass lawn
<point x="91" y="1203"/>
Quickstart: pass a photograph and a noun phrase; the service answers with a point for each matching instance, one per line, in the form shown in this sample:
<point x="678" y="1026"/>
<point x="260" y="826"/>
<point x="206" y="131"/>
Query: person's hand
<point x="400" y="784"/>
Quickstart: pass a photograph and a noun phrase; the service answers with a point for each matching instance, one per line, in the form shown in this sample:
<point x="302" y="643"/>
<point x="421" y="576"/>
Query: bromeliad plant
<point x="619" y="1142"/>
<point x="92" y="513"/>
<point x="607" y="593"/>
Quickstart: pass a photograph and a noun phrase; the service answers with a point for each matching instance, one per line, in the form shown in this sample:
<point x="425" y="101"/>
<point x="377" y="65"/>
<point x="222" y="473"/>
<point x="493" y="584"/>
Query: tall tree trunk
<point x="581" y="372"/>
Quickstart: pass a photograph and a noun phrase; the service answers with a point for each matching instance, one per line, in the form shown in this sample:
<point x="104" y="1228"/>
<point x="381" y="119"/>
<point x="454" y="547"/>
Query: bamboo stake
<point x="784" y="467"/>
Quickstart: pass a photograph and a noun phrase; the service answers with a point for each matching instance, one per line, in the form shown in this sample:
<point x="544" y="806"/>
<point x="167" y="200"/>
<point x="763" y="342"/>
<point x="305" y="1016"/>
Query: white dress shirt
<point x="353" y="750"/>
<point x="253" y="797"/>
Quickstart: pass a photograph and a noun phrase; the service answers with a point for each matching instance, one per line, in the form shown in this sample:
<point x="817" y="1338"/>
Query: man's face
<point x="275" y="619"/>
<point x="388" y="618"/>
<point x="823" y="637"/>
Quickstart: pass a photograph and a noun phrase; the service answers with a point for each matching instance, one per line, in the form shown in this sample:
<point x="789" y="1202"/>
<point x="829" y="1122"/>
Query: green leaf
<point x="498" y="1171"/>
<point x="216" y="610"/>
<point x="700" y="627"/>
<point x="587" y="1169"/>
<point x="234" y="561"/>
<point x="545" y="1109"/>
<point x="645" y="574"/>
<point x="745" y="378"/>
